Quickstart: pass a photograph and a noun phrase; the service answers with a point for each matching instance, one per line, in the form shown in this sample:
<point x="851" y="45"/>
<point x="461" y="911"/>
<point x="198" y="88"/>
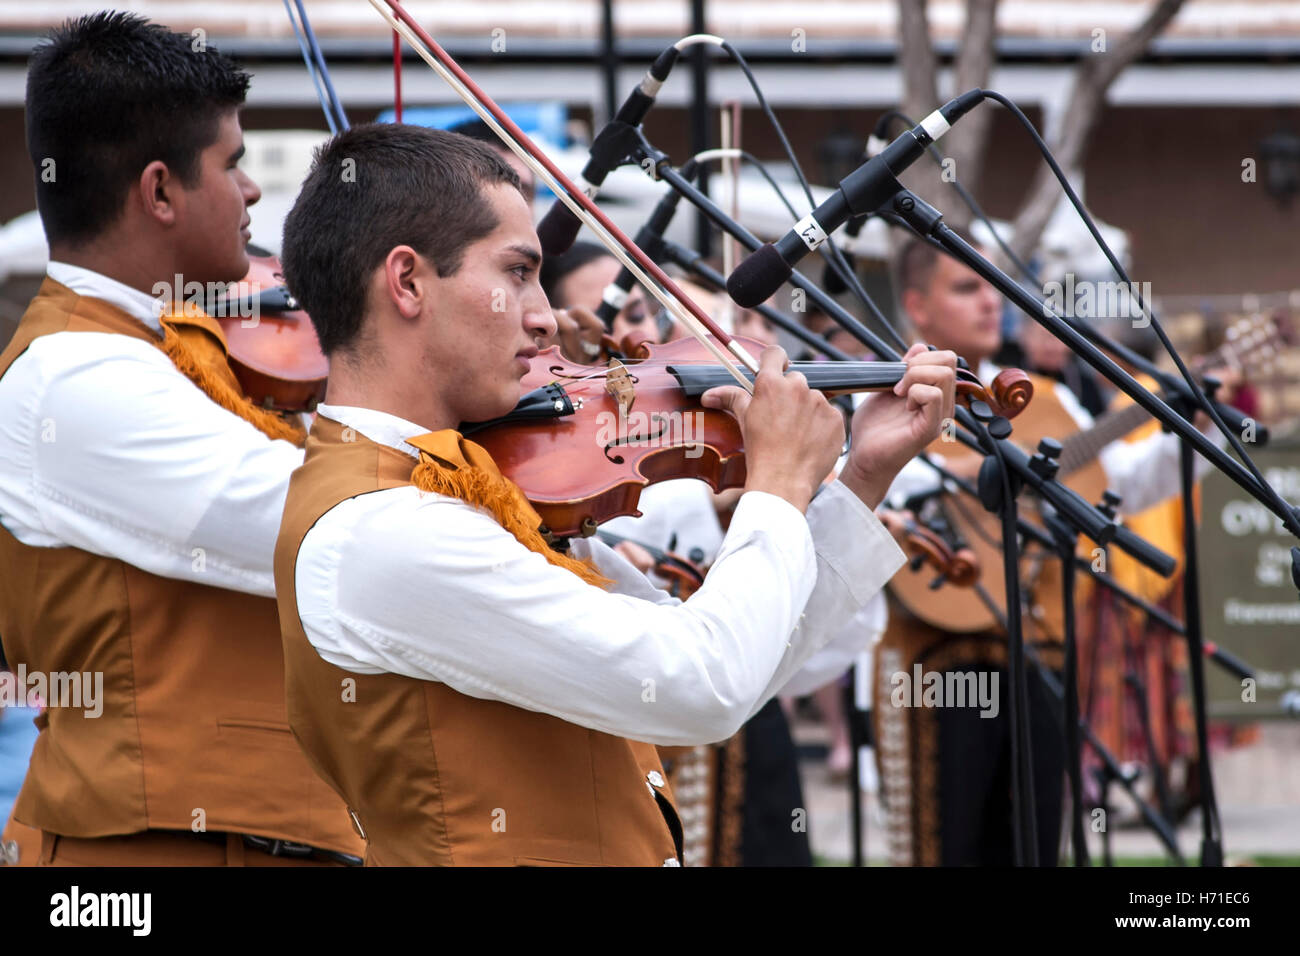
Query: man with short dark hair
<point x="139" y="490"/>
<point x="501" y="698"/>
<point x="479" y="130"/>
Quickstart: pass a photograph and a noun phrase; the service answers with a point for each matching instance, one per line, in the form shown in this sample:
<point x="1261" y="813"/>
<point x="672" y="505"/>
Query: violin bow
<point x="669" y="294"/>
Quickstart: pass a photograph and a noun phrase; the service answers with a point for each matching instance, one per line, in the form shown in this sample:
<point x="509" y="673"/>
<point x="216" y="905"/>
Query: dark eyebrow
<point x="528" y="252"/>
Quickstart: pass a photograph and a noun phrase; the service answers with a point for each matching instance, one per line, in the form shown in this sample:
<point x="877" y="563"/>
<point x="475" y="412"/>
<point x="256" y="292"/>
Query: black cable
<point x="933" y="149"/>
<point x="753" y="160"/>
<point x="1198" y="395"/>
<point x="833" y="254"/>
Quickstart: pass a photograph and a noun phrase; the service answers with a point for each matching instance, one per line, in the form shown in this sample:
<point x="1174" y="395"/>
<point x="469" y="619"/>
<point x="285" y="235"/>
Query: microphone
<point x="559" y="227"/>
<point x="863" y="191"/>
<point x="876" y="143"/>
<point x="650" y="238"/>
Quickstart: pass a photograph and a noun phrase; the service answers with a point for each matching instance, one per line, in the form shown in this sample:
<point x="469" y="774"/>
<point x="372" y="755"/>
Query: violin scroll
<point x="956" y="563"/>
<point x="1008" y="396"/>
<point x="1011" y="391"/>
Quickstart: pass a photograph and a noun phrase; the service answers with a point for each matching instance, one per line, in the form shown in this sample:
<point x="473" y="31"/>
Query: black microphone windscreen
<point x="757" y="277"/>
<point x="558" y="229"/>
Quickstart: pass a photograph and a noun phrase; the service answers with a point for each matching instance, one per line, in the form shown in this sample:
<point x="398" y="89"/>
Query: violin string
<point x="662" y="288"/>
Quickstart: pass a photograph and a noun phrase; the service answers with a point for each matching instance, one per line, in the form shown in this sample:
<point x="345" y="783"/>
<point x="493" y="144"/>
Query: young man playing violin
<point x="475" y="696"/>
<point x="139" y="491"/>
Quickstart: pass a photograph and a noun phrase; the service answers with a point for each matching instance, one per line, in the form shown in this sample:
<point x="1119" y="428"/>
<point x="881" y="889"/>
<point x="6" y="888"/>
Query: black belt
<point x="273" y="847"/>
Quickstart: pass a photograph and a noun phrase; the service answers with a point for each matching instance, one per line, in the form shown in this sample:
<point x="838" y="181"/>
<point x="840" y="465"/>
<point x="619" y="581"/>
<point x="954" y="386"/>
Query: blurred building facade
<point x="1221" y="87"/>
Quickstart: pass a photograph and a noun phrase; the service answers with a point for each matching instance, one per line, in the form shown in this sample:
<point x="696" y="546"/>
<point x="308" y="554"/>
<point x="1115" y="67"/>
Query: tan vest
<point x="193" y="680"/>
<point x="435" y="776"/>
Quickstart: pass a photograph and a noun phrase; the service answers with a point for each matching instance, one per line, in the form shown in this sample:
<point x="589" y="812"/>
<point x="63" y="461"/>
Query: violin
<point x="956" y="563"/>
<point x="271" y="341"/>
<point x="585" y="440"/>
<point x="684" y="576"/>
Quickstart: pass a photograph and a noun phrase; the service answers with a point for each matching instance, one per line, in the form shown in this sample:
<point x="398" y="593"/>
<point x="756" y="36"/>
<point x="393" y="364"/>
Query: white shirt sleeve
<point x="106" y="447"/>
<point x="856" y="637"/>
<point x="426" y="586"/>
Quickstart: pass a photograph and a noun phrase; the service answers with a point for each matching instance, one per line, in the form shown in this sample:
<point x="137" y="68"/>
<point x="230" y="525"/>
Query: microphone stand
<point x="927" y="221"/>
<point x="1009" y="461"/>
<point x="1211" y="834"/>
<point x="1066" y="332"/>
<point x="1071" y="564"/>
<point x="1066" y="543"/>
<point x="694" y="263"/>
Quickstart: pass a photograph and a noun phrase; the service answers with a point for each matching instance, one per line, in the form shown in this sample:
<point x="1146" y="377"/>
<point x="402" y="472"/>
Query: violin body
<point x="272" y="344"/>
<point x="615" y="429"/>
<point x="584" y="468"/>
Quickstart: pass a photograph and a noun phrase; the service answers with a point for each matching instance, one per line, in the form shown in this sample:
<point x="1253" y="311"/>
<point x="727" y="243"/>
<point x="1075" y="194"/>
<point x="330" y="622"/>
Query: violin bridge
<point x="619" y="384"/>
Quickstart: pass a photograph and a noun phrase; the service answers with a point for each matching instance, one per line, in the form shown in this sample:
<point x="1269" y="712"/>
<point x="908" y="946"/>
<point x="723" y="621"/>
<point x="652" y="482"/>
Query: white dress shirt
<point x="427" y="586"/>
<point x="106" y="447"/>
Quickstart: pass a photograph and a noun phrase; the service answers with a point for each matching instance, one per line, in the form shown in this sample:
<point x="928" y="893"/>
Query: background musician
<point x="949" y="802"/>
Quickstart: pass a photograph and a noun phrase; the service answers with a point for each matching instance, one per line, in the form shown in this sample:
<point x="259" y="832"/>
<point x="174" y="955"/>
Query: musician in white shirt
<point x="951" y="799"/>
<point x="428" y="350"/>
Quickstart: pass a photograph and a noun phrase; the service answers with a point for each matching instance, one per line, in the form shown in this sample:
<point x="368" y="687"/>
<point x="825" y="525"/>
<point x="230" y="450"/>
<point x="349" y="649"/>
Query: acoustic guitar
<point x="1250" y="345"/>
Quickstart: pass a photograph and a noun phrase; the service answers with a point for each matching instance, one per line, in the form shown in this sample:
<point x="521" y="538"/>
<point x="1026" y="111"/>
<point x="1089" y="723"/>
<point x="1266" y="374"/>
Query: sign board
<point x="1249" y="605"/>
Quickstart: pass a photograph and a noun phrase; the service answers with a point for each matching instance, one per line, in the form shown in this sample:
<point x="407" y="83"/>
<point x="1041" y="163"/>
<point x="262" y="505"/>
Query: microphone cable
<point x="834" y="257"/>
<point x="1281" y="506"/>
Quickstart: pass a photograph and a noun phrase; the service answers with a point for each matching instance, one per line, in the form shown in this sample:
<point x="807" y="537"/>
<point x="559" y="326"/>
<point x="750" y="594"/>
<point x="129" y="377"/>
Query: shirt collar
<point x="380" y="427"/>
<point x="95" y="285"/>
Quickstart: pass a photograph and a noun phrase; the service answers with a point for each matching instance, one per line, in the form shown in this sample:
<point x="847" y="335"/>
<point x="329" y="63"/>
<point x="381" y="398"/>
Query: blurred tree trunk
<point x="920" y="68"/>
<point x="1087" y="97"/>
<point x="967" y="143"/>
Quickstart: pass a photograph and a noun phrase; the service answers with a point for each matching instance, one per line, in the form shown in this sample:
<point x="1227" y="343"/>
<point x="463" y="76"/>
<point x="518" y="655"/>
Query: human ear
<point x="154" y="189"/>
<point x="405" y="281"/>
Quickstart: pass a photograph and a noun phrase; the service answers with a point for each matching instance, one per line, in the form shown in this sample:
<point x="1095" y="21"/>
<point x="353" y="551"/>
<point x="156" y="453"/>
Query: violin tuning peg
<point x="915" y="564"/>
<point x="938" y="582"/>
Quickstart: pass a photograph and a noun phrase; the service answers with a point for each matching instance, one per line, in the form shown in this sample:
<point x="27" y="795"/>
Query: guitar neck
<point x="1080" y="449"/>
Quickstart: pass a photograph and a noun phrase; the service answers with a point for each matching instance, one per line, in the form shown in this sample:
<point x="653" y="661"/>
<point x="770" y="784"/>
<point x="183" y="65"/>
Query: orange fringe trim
<point x="269" y="423"/>
<point x="501" y="498"/>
